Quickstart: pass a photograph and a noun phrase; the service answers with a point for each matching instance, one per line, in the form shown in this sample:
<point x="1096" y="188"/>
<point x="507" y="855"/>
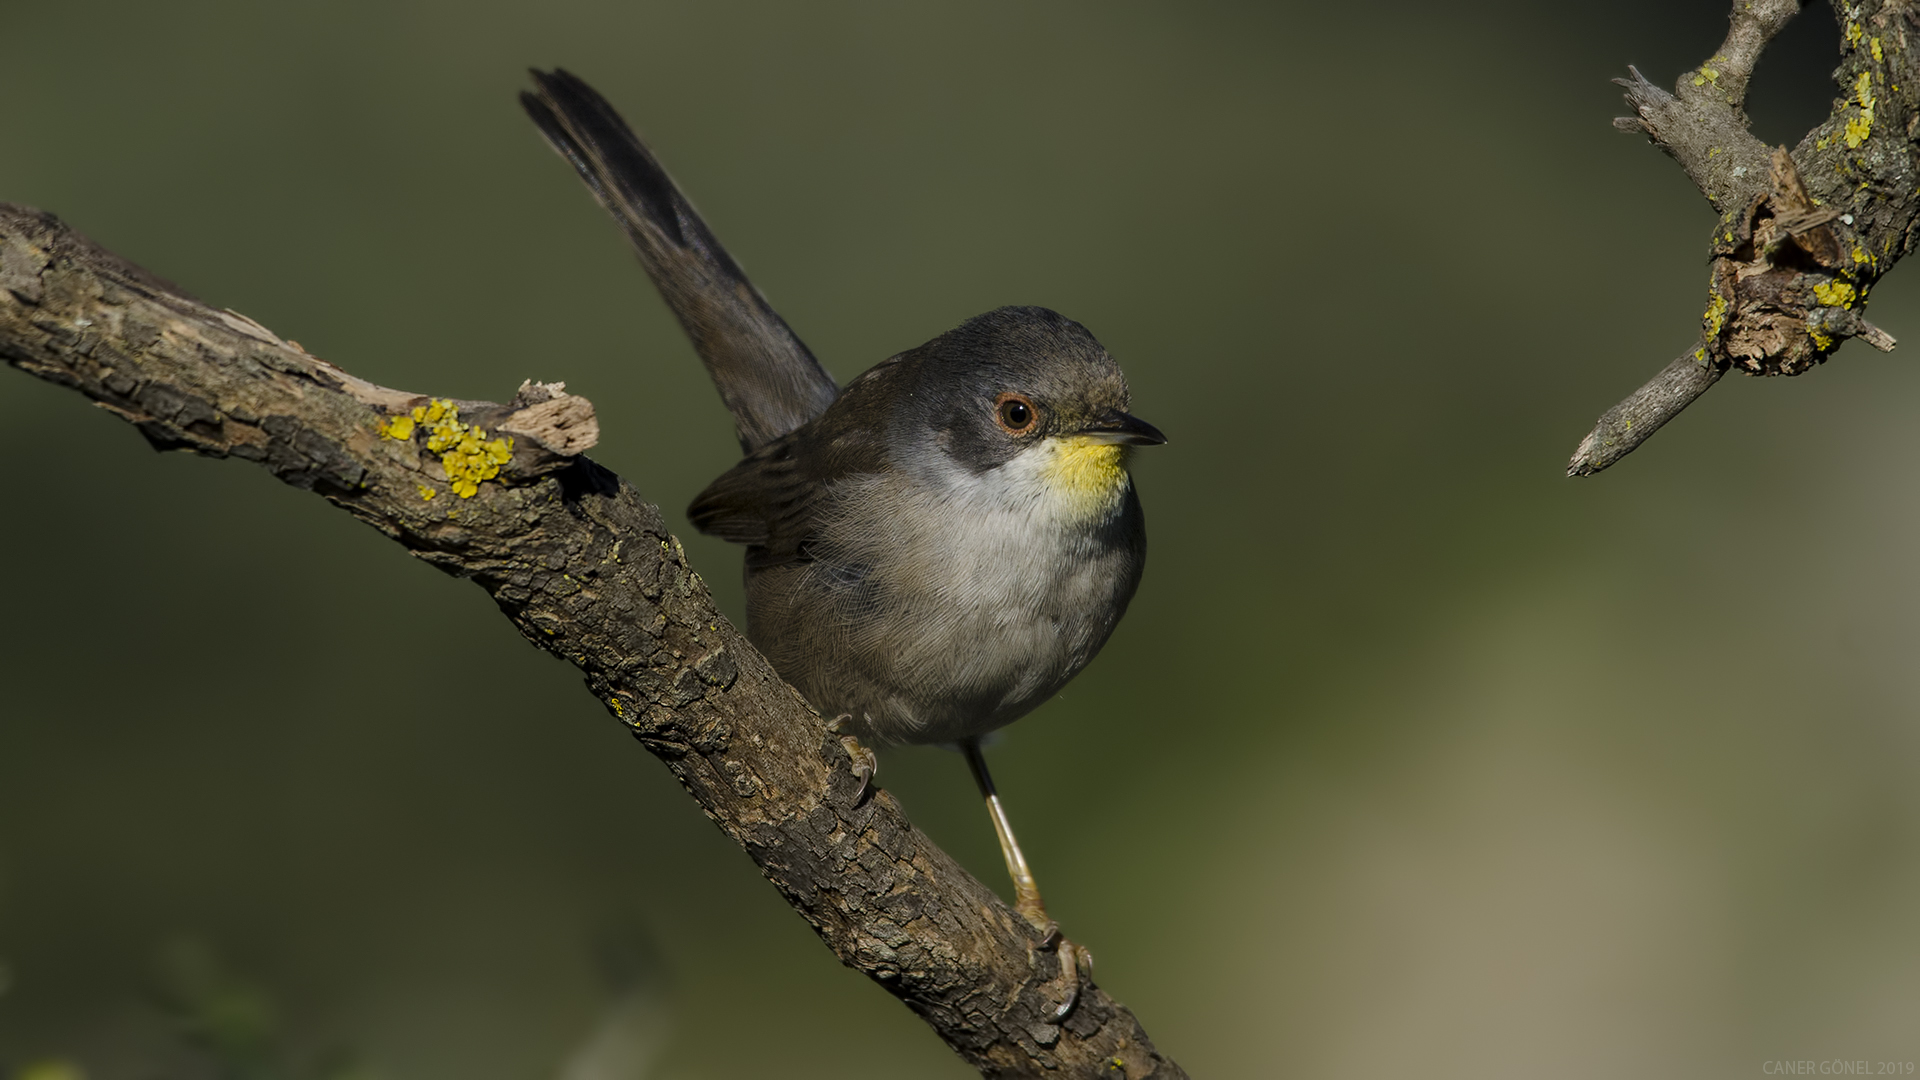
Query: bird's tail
<point x="766" y="376"/>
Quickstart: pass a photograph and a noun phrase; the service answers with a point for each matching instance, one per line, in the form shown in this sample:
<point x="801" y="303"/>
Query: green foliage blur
<point x="1413" y="757"/>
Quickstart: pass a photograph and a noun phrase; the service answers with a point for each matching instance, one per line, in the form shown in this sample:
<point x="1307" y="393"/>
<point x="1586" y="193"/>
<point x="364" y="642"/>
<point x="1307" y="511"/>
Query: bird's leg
<point x="1076" y="963"/>
<point x="864" y="764"/>
<point x="1026" y="891"/>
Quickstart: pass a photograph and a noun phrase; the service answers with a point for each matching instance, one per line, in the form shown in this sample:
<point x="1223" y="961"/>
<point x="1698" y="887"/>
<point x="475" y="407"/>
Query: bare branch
<point x="1750" y="26"/>
<point x="1629" y="423"/>
<point x="585" y="569"/>
<point x="1802" y="237"/>
<point x="1700" y="131"/>
<point x="1703" y="123"/>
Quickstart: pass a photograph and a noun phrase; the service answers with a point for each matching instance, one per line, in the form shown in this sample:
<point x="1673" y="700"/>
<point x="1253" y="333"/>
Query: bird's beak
<point x="1114" y="426"/>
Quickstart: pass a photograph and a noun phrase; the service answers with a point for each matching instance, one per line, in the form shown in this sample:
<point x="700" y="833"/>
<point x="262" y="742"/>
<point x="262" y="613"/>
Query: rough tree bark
<point x="1802" y="236"/>
<point x="585" y="569"/>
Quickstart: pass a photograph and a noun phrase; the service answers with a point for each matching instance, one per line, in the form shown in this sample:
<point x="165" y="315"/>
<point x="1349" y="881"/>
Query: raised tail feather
<point x="766" y="376"/>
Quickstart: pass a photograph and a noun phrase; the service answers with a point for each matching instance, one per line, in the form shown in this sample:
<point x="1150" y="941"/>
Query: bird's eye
<point x="1015" y="413"/>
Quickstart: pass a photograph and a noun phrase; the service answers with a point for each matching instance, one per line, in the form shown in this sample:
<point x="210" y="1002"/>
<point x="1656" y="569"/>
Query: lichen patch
<point x="466" y="455"/>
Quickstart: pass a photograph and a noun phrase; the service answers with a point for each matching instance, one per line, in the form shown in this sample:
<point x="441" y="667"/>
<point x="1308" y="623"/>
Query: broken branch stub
<point x="1788" y="276"/>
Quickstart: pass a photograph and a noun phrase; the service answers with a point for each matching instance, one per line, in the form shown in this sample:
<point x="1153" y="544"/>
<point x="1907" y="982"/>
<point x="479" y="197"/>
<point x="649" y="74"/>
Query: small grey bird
<point x="932" y="552"/>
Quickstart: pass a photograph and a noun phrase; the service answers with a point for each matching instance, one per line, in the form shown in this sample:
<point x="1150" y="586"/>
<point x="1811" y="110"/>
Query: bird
<point x="935" y="549"/>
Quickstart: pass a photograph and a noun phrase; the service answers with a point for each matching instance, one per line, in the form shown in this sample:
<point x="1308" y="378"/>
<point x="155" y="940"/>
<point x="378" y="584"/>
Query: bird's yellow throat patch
<point x="1088" y="475"/>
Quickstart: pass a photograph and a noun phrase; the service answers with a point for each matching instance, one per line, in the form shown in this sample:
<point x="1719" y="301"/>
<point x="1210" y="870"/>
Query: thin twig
<point x="1631" y="422"/>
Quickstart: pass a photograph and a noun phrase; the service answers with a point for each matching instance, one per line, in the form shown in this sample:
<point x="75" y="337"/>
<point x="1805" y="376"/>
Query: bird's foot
<point x="1076" y="963"/>
<point x="1076" y="966"/>
<point x="864" y="764"/>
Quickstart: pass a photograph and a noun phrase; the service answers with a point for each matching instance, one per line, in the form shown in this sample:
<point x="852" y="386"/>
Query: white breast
<point x="942" y="604"/>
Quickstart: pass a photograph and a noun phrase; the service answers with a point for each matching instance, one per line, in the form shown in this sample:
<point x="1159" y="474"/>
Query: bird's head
<point x="1030" y="394"/>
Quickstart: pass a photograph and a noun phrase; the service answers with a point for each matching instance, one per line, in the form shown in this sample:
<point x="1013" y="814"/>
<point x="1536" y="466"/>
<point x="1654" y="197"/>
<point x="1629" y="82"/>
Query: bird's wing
<point x="765" y="500"/>
<point x="766" y="376"/>
<point x="773" y="500"/>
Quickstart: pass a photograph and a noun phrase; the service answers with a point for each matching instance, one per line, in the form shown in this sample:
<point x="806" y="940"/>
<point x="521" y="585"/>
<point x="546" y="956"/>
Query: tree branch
<point x="585" y="569"/>
<point x="1802" y="237"/>
<point x="1629" y="423"/>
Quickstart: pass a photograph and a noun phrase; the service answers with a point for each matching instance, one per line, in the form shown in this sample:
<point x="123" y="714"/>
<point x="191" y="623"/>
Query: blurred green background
<point x="1414" y="758"/>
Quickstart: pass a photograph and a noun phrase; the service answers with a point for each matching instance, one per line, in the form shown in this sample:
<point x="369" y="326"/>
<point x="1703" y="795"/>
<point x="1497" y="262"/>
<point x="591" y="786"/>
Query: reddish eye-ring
<point x="1016" y="413"/>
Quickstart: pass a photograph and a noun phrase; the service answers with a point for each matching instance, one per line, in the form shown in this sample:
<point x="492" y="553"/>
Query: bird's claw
<point x="864" y="764"/>
<point x="1076" y="965"/>
<point x="1065" y="1008"/>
